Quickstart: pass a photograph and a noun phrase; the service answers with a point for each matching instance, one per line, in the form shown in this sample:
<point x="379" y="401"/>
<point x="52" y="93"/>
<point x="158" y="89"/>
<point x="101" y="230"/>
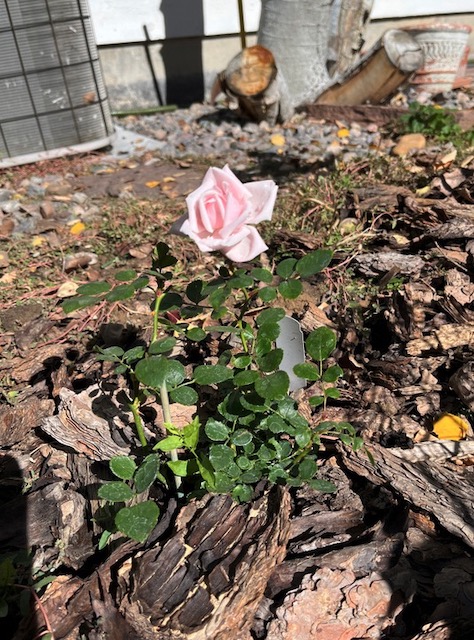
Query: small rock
<point x="59" y="187"/>
<point x="47" y="209"/>
<point x="80" y="260"/>
<point x="409" y="142"/>
<point x="79" y="197"/>
<point x="5" y="194"/>
<point x="35" y="190"/>
<point x="10" y="206"/>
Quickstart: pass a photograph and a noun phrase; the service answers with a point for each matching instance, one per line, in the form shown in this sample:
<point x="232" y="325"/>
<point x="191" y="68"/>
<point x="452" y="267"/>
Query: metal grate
<point x="52" y="96"/>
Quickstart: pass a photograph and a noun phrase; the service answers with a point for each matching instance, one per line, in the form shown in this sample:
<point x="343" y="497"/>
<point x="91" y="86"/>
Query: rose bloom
<point x="222" y="212"/>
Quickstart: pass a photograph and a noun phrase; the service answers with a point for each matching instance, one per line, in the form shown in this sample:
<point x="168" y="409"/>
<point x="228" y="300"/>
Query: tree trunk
<point x="305" y="35"/>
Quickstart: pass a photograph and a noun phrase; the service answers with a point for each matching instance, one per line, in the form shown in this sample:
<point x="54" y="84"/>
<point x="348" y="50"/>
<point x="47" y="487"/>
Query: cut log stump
<point x="205" y="581"/>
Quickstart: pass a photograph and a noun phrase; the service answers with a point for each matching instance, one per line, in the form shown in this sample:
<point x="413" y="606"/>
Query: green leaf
<point x="110" y="354"/>
<point x="79" y="302"/>
<point x="242" y="493"/>
<point x="103" y="540"/>
<point x="170" y="300"/>
<point x="216" y="431"/>
<point x="146" y="473"/>
<point x="333" y="393"/>
<point x="169" y="443"/>
<point x="307" y="468"/>
<point x="184" y="395"/>
<point x="273" y="386"/>
<point x="290" y="289"/>
<point x="241" y="281"/>
<point x="241" y="437"/>
<point x="275" y="314"/>
<point x="126" y="275"/>
<point x="223" y="484"/>
<point x="251" y="476"/>
<point x="196" y="334"/>
<point x="261" y="275"/>
<point x="323" y="485"/>
<point x="269" y="330"/>
<point x="175" y="373"/>
<point x="179" y="467"/>
<point x="191" y="434"/>
<point x="314" y="262"/>
<point x="123" y="467"/>
<point x="265" y="453"/>
<point x="270" y="361"/>
<point x="223" y="329"/>
<point x="206" y="471"/>
<point x="306" y="370"/>
<point x="286" y="268"/>
<point x="321" y="343"/>
<point x="155" y="370"/>
<point x="333" y="373"/>
<point x="243" y="462"/>
<point x="137" y="522"/>
<point x="133" y="354"/>
<point x="212" y="374"/>
<point x="267" y="294"/>
<point x="162" y="257"/>
<point x="244" y="378"/>
<point x="221" y="456"/>
<point x="120" y="292"/>
<point x="240" y="362"/>
<point x="194" y="291"/>
<point x="316" y="401"/>
<point x="275" y="424"/>
<point x="93" y="288"/>
<point x="162" y="346"/>
<point x="218" y="297"/>
<point x="303" y="436"/>
<point x="115" y="492"/>
<point x="140" y="283"/>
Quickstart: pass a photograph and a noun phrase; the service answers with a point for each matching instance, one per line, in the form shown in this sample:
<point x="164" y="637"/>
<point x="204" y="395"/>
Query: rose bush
<point x="222" y="212"/>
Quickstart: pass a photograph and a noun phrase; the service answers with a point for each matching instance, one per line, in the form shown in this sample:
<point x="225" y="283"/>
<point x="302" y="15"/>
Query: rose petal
<point x="264" y="194"/>
<point x="248" y="248"/>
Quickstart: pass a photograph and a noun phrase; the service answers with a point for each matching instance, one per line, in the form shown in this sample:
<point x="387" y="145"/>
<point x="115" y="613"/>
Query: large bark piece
<point x="432" y="486"/>
<point x="383" y="69"/>
<point x="205" y="581"/>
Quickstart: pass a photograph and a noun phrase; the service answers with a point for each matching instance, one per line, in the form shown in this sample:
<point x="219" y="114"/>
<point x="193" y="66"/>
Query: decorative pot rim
<point x="440" y="26"/>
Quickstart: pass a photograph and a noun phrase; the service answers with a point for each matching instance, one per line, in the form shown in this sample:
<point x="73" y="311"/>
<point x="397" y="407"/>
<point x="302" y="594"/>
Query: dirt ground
<point x="389" y="554"/>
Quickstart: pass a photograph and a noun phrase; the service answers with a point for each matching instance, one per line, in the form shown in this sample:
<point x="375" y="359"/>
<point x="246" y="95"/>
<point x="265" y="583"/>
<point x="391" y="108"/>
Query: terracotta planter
<point x="444" y="46"/>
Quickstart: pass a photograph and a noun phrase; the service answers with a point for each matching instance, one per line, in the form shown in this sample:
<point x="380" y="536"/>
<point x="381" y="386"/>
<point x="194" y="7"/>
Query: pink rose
<point x="221" y="213"/>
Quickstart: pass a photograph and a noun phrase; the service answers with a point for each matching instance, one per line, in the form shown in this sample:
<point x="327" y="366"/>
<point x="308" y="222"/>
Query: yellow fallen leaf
<point x="169" y="179"/>
<point x="38" y="241"/>
<point x="278" y="140"/>
<point x="343" y="133"/>
<point x="451" y="427"/>
<point x="423" y="191"/>
<point x="77" y="228"/>
<point x="152" y="184"/>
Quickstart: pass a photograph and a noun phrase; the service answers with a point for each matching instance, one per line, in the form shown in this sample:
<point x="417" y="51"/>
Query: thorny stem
<point x="165" y="406"/>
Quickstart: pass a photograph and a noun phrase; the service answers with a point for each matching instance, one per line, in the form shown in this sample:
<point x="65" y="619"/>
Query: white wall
<point x="118" y="21"/>
<point x="408" y="8"/>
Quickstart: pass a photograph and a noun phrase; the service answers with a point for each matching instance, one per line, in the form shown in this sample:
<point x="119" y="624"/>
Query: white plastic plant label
<point x="291" y="341"/>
